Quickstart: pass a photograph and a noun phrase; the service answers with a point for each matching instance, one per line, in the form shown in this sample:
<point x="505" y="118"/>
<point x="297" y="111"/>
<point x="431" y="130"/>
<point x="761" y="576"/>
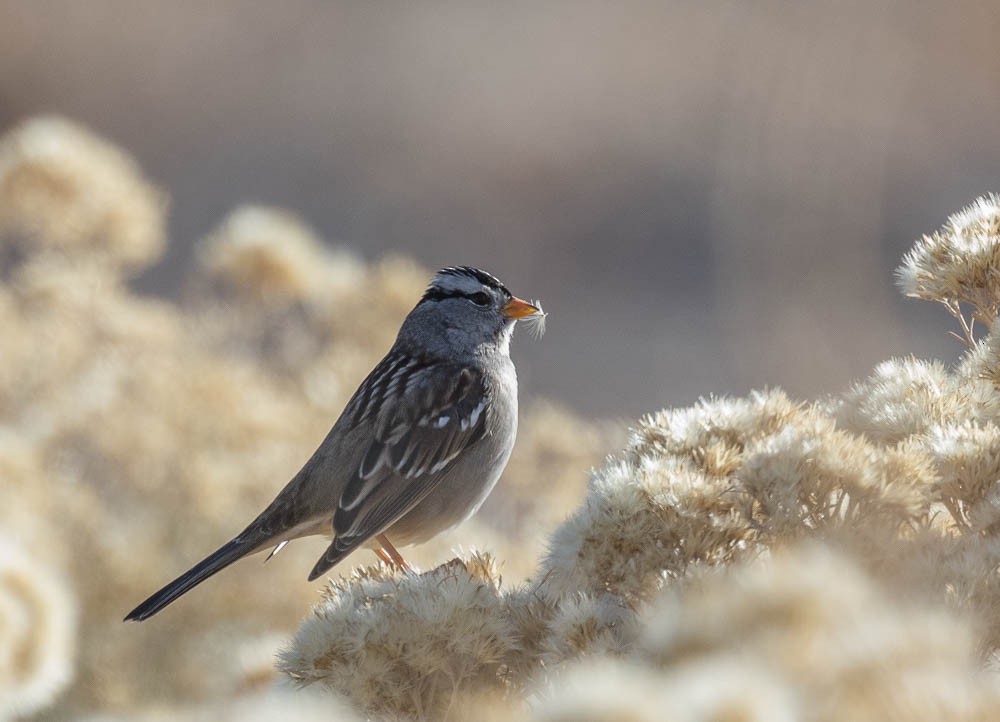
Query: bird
<point x="416" y="450"/>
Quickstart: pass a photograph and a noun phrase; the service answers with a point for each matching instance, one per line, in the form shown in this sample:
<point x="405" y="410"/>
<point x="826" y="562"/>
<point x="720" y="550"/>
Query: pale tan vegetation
<point x="958" y="265"/>
<point x="741" y="559"/>
<point x="802" y="635"/>
<point x="74" y="192"/>
<point x="37" y="632"/>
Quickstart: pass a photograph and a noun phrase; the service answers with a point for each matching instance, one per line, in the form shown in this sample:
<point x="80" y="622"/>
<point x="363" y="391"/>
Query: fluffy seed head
<point x="829" y="635"/>
<point x="271" y="255"/>
<point x="37" y="633"/>
<point x="407" y="645"/>
<point x="63" y="188"/>
<point x="960" y="262"/>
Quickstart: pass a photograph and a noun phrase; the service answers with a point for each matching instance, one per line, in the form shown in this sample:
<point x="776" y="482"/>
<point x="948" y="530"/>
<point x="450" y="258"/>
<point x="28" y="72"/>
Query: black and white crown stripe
<point x="440" y="288"/>
<point x="484" y="277"/>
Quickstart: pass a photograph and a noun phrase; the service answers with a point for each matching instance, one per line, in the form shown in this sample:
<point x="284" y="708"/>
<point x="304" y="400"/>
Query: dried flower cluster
<point x="70" y="191"/>
<point x="959" y="264"/>
<point x="802" y="635"/>
<point x="136" y="434"/>
<point x="37" y="625"/>
<point x="407" y="644"/>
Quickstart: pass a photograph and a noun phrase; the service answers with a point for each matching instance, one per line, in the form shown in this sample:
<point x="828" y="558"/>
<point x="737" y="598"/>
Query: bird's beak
<point x="516" y="308"/>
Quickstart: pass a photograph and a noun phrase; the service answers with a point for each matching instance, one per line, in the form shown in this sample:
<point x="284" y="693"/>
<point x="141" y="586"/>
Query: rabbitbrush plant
<point x="753" y="558"/>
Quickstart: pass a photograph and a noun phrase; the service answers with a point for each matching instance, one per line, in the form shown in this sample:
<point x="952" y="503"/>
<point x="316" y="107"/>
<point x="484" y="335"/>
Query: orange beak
<point x="516" y="308"/>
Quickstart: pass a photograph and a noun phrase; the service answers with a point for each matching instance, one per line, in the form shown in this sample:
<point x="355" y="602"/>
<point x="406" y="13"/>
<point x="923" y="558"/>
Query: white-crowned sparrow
<point x="418" y="447"/>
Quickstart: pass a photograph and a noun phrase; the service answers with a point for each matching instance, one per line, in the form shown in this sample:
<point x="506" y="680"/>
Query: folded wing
<point x="424" y="415"/>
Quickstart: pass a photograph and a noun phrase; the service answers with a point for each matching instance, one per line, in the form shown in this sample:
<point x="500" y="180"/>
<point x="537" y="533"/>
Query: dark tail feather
<point x="215" y="562"/>
<point x="337" y="550"/>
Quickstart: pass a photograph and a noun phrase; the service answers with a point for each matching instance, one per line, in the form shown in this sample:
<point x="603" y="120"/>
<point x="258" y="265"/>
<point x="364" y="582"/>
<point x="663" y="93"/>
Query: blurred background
<point x="707" y="196"/>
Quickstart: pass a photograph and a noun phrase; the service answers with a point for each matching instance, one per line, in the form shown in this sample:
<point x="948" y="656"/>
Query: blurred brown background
<point x="708" y="196"/>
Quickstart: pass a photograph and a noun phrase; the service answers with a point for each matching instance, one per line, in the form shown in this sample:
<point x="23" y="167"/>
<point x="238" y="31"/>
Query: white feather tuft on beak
<point x="536" y="321"/>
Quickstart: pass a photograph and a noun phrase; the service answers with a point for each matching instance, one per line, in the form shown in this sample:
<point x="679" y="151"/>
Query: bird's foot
<point x="391" y="556"/>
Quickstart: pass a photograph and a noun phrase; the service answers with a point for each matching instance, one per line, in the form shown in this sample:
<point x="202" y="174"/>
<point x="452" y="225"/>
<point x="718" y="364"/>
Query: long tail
<point x="217" y="561"/>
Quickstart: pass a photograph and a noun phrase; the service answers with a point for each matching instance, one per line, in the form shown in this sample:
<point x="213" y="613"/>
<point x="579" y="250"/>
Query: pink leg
<point x="394" y="556"/>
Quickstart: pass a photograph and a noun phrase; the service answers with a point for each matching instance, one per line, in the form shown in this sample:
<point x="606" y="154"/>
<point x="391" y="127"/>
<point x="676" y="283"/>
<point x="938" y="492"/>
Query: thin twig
<point x="955" y="309"/>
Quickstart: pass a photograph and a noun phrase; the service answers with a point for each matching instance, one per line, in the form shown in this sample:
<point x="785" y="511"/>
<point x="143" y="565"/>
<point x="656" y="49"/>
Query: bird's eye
<point x="481" y="298"/>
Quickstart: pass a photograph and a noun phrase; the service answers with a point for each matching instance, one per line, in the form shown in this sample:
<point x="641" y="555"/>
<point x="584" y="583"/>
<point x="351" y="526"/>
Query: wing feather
<point x="424" y="414"/>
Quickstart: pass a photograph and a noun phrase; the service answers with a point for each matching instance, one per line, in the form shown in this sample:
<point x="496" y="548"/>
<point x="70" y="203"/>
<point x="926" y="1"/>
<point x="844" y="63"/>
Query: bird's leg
<point x="394" y="556"/>
<point x="384" y="556"/>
